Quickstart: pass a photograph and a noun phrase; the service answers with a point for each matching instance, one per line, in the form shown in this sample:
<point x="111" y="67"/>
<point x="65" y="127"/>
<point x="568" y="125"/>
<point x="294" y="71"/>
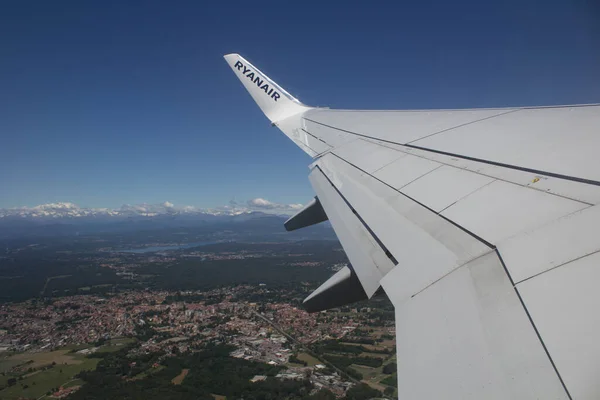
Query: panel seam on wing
<point x="385" y="250"/>
<point x="558" y="266"/>
<point x="503" y="165"/>
<point x="419" y="177"/>
<point x="318" y="138"/>
<point x="465" y="124"/>
<point x="482" y="240"/>
<point x="489" y="162"/>
<point x="453" y="270"/>
<point x="468" y="194"/>
<point x="444" y="162"/>
<point x="532" y="323"/>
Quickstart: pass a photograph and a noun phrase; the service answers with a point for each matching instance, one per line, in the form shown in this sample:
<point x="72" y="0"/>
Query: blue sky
<point x="105" y="103"/>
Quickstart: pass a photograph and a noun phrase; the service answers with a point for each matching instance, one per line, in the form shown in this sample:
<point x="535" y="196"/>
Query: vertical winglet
<point x="273" y="100"/>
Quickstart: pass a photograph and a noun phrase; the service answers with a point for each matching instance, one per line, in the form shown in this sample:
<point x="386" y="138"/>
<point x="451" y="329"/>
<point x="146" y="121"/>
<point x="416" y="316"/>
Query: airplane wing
<point x="482" y="227"/>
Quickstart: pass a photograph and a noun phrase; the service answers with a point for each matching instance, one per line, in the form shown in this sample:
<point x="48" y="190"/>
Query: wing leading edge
<point x="481" y="227"/>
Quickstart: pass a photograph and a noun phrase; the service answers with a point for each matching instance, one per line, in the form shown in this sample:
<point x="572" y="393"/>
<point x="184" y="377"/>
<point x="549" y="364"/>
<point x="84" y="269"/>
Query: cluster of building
<point x="163" y="323"/>
<point x="238" y="255"/>
<point x="39" y="325"/>
<point x="74" y="320"/>
<point x="304" y="326"/>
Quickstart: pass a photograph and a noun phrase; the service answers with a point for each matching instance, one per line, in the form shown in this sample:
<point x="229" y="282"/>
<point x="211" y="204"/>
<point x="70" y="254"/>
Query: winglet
<point x="273" y="100"/>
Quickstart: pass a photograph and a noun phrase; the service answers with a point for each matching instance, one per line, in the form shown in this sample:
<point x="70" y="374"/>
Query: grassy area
<point x="112" y="345"/>
<point x="116" y="344"/>
<point x="367" y="372"/>
<point x="67" y="365"/>
<point x="390" y="380"/>
<point x="310" y="360"/>
<point x="6" y="363"/>
<point x="374" y="355"/>
<point x="147" y="372"/>
<point x="375" y="377"/>
<point x="36" y="385"/>
<point x="74" y="382"/>
<point x="218" y="397"/>
<point x="291" y="364"/>
<point x="371" y="376"/>
<point x="352" y="344"/>
<point x="46" y="358"/>
<point x="76" y="347"/>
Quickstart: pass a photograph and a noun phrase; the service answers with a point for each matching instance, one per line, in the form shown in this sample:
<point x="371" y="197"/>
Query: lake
<point x="154" y="249"/>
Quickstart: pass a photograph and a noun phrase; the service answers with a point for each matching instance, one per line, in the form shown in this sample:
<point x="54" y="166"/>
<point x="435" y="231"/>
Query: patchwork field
<point x="38" y="383"/>
<point x="36" y="360"/>
<point x="32" y="375"/>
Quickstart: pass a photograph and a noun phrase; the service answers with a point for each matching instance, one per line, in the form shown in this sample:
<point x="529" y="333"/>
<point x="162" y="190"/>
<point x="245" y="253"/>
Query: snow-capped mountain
<point x="70" y="210"/>
<point x="68" y="219"/>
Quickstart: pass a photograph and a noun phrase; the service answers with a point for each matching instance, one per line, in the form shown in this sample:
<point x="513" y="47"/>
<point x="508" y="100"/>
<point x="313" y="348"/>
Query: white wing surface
<point x="482" y="226"/>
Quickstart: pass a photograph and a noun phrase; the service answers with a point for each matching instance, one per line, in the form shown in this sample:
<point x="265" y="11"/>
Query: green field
<point x="37" y="383"/>
<point x="74" y="382"/>
<point x="374" y="377"/>
<point x="147" y="373"/>
<point x="36" y="360"/>
<point x="116" y="344"/>
<point x="6" y="363"/>
<point x="76" y="347"/>
<point x="374" y="355"/>
<point x="291" y="364"/>
<point x="310" y="360"/>
<point x="368" y="373"/>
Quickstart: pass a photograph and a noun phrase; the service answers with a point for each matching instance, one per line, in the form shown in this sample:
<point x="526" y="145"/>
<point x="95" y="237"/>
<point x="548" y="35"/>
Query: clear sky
<point x="110" y="102"/>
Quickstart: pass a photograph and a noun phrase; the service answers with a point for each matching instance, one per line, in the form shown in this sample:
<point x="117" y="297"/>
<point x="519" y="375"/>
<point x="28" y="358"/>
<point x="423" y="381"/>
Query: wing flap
<point x="425" y="246"/>
<point x="467" y="336"/>
<point x="362" y="249"/>
<point x="563" y="303"/>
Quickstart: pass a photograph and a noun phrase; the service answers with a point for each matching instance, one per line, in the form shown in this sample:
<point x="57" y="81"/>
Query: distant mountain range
<point x="70" y="210"/>
<point x="257" y="216"/>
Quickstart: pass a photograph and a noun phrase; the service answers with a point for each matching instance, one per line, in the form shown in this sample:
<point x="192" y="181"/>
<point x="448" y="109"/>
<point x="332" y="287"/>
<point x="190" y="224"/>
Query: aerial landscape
<point x="180" y="305"/>
<point x="339" y="200"/>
